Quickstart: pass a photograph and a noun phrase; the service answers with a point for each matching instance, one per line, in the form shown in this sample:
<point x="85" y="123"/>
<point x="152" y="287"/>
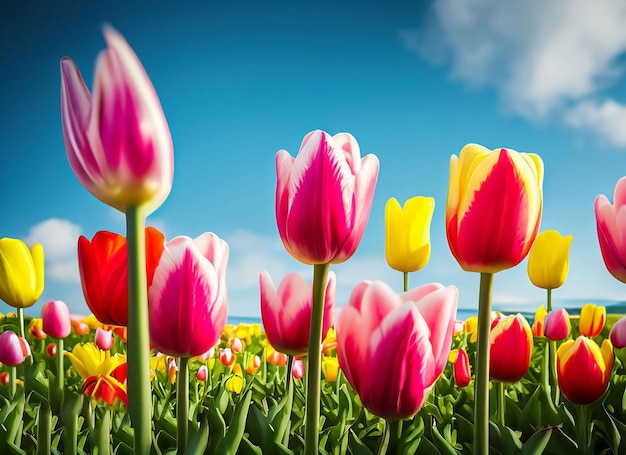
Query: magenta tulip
<point x="618" y="334"/>
<point x="392" y="348"/>
<point x="187" y="300"/>
<point x="286" y="312"/>
<point x="55" y="317"/>
<point x="556" y="325"/>
<point x="117" y="140"/>
<point x="324" y="197"/>
<point x="13" y="348"/>
<point x="610" y="224"/>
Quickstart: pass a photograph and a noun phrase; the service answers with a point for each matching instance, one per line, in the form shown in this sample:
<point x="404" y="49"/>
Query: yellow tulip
<point x="540" y="317"/>
<point x="548" y="260"/>
<point x="89" y="361"/>
<point x="21" y="272"/>
<point x="330" y="368"/>
<point x="407" y="231"/>
<point x="592" y="319"/>
<point x="471" y="326"/>
<point x="235" y="383"/>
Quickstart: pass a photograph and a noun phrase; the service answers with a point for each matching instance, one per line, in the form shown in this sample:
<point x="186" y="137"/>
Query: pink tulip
<point x="117" y="140"/>
<point x="104" y="339"/>
<point x="187" y="300"/>
<point x="286" y="312"/>
<point x="618" y="334"/>
<point x="557" y="325"/>
<point x="610" y="224"/>
<point x="56" y="320"/>
<point x="298" y="368"/>
<point x="203" y="373"/>
<point x="324" y="197"/>
<point x="13" y="348"/>
<point x="392" y="348"/>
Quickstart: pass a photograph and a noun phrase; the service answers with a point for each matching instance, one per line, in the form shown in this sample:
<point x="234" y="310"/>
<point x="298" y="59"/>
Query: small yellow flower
<point x="407" y="233"/>
<point x="236" y="382"/>
<point x="471" y="326"/>
<point x="548" y="260"/>
<point x="21" y="272"/>
<point x="330" y="368"/>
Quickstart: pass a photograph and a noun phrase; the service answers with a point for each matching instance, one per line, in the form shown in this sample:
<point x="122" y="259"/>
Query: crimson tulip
<point x="392" y="348"/>
<point x="511" y="343"/>
<point x="610" y="226"/>
<point x="103" y="265"/>
<point x="187" y="299"/>
<point x="286" y="311"/>
<point x="584" y="369"/>
<point x="462" y="370"/>
<point x="324" y="197"/>
<point x="117" y="139"/>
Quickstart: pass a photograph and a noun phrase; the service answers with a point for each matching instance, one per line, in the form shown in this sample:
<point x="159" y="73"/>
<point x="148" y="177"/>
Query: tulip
<point x="462" y="372"/>
<point x="548" y="260"/>
<point x="298" y="368"/>
<point x="470" y="326"/>
<point x="35" y="328"/>
<point x="610" y="226"/>
<point x="236" y="345"/>
<point x="103" y="265"/>
<point x="493" y="208"/>
<point x="51" y="350"/>
<point x="104" y="339"/>
<point x="21" y="272"/>
<point x="117" y="140"/>
<point x="584" y="369"/>
<point x="324" y="197"/>
<point x="539" y="321"/>
<point x="236" y="382"/>
<point x="511" y="342"/>
<point x="55" y="316"/>
<point x="5" y="378"/>
<point x="226" y="356"/>
<point x="286" y="311"/>
<point x="330" y="368"/>
<point x="407" y="233"/>
<point x="406" y="336"/>
<point x="592" y="319"/>
<point x="618" y="334"/>
<point x="557" y="325"/>
<point x="187" y="299"/>
<point x="253" y="364"/>
<point x="13" y="348"/>
<point x="276" y="358"/>
<point x="203" y="373"/>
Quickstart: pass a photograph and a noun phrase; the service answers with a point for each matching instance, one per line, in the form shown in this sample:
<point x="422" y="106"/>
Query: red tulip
<point x="493" y="208"/>
<point x="324" y="197"/>
<point x="103" y="265"/>
<point x="117" y="140"/>
<point x="187" y="299"/>
<point x="610" y="224"/>
<point x="584" y="369"/>
<point x="392" y="348"/>
<point x="286" y="312"/>
<point x="461" y="370"/>
<point x="511" y="344"/>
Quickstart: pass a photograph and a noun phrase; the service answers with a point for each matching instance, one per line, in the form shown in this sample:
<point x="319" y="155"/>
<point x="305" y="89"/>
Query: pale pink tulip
<point x="187" y="299"/>
<point x="56" y="320"/>
<point x="117" y="139"/>
<point x="324" y="197"/>
<point x="104" y="339"/>
<point x="611" y="225"/>
<point x="286" y="311"/>
<point x="392" y="348"/>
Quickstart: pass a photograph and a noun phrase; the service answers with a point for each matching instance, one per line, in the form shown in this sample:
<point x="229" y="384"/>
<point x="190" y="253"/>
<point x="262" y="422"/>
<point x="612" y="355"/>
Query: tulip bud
<point x="330" y="368"/>
<point x="13" y="348"/>
<point x="236" y="382"/>
<point x="298" y="368"/>
<point x="511" y="348"/>
<point x="557" y="325"/>
<point x="538" y="329"/>
<point x="548" y="260"/>
<point x="104" y="339"/>
<point x="618" y="334"/>
<point x="592" y="319"/>
<point x="226" y="356"/>
<point x="462" y="374"/>
<point x="56" y="321"/>
<point x="254" y="362"/>
<point x="203" y="373"/>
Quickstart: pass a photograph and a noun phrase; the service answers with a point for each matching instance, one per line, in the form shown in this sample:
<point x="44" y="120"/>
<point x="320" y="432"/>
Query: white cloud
<point x="59" y="239"/>
<point x="542" y="56"/>
<point x="608" y="118"/>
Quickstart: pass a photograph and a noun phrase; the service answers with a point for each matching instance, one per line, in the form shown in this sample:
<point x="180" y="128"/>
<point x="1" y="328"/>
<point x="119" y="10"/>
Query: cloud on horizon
<point x="544" y="58"/>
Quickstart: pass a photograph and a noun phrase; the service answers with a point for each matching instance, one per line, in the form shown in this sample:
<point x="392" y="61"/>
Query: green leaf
<point x="230" y="443"/>
<point x="198" y="439"/>
<point x="537" y="442"/>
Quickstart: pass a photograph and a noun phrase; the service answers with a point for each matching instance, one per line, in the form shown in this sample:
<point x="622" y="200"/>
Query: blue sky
<point x="412" y="81"/>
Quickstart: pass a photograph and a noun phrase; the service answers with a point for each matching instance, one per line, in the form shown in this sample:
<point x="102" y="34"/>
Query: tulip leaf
<point x="357" y="446"/>
<point x="247" y="448"/>
<point x="198" y="439"/>
<point x="229" y="444"/>
<point x="537" y="442"/>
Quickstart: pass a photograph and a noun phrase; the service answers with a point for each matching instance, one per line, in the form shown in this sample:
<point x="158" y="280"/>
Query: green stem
<point x="69" y="418"/>
<point x="100" y="438"/>
<point x="406" y="281"/>
<point x="501" y="404"/>
<point x="545" y="370"/>
<point x="481" y="383"/>
<point x="582" y="429"/>
<point x="139" y="393"/>
<point x="384" y="440"/>
<point x="44" y="430"/>
<point x="289" y="405"/>
<point x="554" y="390"/>
<point x="549" y="301"/>
<point x="311" y="441"/>
<point x="12" y="381"/>
<point x="182" y="406"/>
<point x="60" y="379"/>
<point x="22" y="331"/>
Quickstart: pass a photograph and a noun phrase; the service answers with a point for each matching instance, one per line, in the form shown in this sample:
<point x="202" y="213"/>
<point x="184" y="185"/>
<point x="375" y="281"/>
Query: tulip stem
<point x="289" y="404"/>
<point x="60" y="379"/>
<point x="406" y="281"/>
<point x="582" y="428"/>
<point x="13" y="381"/>
<point x="182" y="404"/>
<point x="481" y="384"/>
<point x="139" y="393"/>
<point x="22" y="330"/>
<point x="44" y="430"/>
<point x="551" y="353"/>
<point x="311" y="441"/>
<point x="501" y="404"/>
